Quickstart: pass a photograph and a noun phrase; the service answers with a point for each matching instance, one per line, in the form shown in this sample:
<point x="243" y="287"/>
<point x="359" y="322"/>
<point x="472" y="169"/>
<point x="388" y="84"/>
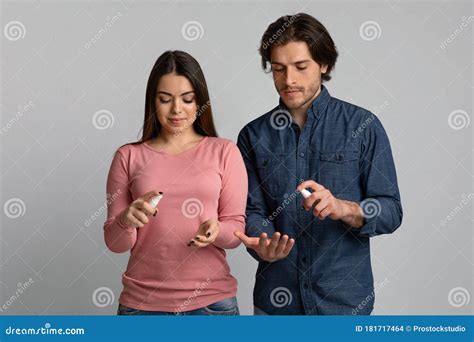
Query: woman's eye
<point x="164" y="100"/>
<point x="188" y="100"/>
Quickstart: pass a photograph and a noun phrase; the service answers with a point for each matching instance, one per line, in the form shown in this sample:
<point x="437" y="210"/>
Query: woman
<point x="177" y="262"/>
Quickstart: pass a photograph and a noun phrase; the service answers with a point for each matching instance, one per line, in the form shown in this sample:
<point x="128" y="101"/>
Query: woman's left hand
<point x="206" y="234"/>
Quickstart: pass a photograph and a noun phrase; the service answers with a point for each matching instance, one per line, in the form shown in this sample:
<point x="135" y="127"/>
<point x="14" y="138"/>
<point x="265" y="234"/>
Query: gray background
<point x="415" y="74"/>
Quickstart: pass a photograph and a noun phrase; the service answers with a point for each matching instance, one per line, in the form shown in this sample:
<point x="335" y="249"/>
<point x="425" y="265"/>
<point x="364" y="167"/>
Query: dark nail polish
<point x="208" y="234"/>
<point x="197" y="238"/>
<point x="155" y="213"/>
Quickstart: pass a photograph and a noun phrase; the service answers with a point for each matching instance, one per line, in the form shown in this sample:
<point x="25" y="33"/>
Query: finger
<point x="310" y="184"/>
<point x="146" y="208"/>
<point x="263" y="241"/>
<point x="289" y="246"/>
<point x="311" y="200"/>
<point x="249" y="242"/>
<point x="202" y="228"/>
<point x="133" y="222"/>
<point x="198" y="244"/>
<point x="149" y="195"/>
<point x="202" y="238"/>
<point x="325" y="212"/>
<point x="273" y="243"/>
<point x="281" y="244"/>
<point x="207" y="239"/>
<point x="211" y="230"/>
<point x="320" y="206"/>
<point x="140" y="215"/>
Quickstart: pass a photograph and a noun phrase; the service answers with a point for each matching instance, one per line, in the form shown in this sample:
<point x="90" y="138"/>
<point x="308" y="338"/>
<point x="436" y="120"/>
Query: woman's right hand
<point x="136" y="215"/>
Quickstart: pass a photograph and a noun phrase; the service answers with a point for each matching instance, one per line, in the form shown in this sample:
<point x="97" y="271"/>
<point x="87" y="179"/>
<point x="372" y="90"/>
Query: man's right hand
<point x="276" y="248"/>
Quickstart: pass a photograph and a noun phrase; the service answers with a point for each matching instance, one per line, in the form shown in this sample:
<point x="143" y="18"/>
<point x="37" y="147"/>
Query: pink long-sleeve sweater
<point x="207" y="181"/>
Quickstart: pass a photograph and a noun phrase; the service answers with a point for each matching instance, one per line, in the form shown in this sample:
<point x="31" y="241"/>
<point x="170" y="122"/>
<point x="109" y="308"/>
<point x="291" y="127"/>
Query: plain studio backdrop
<point x="73" y="89"/>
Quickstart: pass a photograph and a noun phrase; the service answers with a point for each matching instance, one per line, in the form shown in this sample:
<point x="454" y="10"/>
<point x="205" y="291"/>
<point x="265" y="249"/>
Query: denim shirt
<point x="344" y="148"/>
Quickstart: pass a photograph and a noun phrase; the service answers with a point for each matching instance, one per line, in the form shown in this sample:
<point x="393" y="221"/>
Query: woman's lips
<point x="176" y="121"/>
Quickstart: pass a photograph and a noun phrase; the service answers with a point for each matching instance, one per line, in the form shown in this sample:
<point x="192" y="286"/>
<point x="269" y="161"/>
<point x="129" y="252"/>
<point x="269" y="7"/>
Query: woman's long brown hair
<point x="182" y="64"/>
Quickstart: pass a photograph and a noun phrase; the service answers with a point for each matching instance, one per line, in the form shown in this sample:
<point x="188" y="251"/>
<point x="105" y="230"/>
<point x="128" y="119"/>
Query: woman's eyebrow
<point x="165" y="93"/>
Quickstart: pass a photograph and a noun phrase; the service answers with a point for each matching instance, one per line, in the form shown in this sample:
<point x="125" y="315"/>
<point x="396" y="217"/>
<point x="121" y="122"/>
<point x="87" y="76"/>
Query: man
<point x="314" y="253"/>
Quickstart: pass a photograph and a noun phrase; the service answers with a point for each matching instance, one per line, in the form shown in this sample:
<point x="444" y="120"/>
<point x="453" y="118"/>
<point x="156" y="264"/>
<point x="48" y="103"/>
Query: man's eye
<point x="278" y="69"/>
<point x="301" y="68"/>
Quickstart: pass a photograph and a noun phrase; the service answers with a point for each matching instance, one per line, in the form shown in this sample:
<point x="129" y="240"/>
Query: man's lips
<point x="291" y="92"/>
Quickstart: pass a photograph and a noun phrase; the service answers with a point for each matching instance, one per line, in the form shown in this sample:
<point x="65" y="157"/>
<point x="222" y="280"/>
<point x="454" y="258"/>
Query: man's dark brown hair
<point x="295" y="28"/>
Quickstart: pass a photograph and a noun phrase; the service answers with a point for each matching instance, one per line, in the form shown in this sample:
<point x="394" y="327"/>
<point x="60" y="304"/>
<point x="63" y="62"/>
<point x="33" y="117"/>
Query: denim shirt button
<point x="301" y="154"/>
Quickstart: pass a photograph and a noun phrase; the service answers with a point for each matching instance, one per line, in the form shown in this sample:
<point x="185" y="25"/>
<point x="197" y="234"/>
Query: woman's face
<point x="175" y="103"/>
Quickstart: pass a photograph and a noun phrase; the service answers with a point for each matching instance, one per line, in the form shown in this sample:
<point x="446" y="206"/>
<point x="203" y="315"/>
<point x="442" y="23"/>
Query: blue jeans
<point x="225" y="307"/>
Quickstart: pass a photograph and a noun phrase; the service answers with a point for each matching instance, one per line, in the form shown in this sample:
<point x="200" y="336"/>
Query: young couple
<point x="313" y="252"/>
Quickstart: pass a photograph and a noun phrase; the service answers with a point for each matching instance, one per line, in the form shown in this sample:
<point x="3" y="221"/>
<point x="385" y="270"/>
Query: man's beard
<point x="312" y="90"/>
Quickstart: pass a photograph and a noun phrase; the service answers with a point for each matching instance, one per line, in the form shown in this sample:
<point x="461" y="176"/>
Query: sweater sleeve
<point x="118" y="237"/>
<point x="232" y="198"/>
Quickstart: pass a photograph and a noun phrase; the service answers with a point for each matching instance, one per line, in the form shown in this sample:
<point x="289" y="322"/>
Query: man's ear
<point x="324" y="68"/>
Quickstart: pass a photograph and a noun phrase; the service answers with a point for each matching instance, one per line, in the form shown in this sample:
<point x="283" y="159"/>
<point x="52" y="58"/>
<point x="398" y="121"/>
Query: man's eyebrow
<point x="165" y="93"/>
<point x="297" y="62"/>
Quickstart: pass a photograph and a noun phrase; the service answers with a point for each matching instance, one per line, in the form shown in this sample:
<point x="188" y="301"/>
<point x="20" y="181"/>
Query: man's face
<point x="296" y="75"/>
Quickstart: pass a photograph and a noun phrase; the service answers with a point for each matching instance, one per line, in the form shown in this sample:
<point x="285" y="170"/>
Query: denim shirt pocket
<point x="339" y="171"/>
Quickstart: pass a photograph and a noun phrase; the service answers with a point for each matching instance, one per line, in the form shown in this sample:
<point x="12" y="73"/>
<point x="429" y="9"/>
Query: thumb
<point x="244" y="238"/>
<point x="149" y="195"/>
